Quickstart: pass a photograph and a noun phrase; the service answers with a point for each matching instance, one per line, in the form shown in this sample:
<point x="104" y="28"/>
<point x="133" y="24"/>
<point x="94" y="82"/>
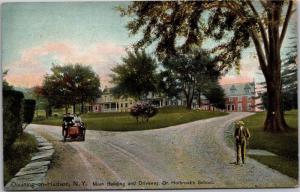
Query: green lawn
<point x="285" y="145"/>
<point x="124" y="122"/>
<point x="19" y="155"/>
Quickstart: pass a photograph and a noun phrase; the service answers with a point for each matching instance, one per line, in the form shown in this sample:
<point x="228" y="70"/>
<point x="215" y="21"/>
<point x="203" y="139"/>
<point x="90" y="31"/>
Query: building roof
<point x="239" y="89"/>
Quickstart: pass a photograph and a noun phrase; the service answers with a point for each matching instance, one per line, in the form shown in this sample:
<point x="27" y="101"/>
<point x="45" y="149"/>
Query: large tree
<point x="136" y="76"/>
<point x="215" y="94"/>
<point x="71" y="85"/>
<point x="177" y="26"/>
<point x="189" y="74"/>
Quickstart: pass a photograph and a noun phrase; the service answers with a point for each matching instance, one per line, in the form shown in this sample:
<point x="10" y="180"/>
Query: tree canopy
<point x="136" y="76"/>
<point x="188" y="74"/>
<point x="71" y="85"/>
<point x="229" y="27"/>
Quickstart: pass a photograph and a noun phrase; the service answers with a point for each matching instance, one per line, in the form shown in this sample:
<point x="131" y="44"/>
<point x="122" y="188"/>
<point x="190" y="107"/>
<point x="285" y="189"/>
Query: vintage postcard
<point x="149" y="95"/>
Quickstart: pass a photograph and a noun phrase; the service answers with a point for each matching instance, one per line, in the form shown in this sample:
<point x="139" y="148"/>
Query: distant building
<point x="108" y="103"/>
<point x="240" y="97"/>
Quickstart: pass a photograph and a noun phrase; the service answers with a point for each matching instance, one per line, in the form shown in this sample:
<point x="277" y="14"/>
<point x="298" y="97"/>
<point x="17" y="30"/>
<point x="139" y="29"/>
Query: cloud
<point x="248" y="72"/>
<point x="35" y="62"/>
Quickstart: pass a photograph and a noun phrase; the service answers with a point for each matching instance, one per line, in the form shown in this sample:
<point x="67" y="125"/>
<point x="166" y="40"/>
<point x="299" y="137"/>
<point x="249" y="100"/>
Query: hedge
<point x="29" y="108"/>
<point x="12" y="116"/>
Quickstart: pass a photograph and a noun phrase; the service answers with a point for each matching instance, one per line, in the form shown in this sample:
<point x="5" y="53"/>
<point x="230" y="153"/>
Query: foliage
<point x="29" y="108"/>
<point x="288" y="101"/>
<point x="176" y="27"/>
<point x="12" y="117"/>
<point x="215" y="94"/>
<point x="136" y="76"/>
<point x="188" y="74"/>
<point x="143" y="110"/>
<point x="70" y="85"/>
<point x="5" y="84"/>
<point x="289" y="76"/>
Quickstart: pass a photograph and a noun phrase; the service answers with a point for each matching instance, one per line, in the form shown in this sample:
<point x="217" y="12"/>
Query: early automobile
<point x="73" y="129"/>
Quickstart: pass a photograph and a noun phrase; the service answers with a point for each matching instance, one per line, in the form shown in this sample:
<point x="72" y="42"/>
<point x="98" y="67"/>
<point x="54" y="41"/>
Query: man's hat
<point x="240" y="123"/>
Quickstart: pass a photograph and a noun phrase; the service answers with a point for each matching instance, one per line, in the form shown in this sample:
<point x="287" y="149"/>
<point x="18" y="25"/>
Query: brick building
<point x="240" y="97"/>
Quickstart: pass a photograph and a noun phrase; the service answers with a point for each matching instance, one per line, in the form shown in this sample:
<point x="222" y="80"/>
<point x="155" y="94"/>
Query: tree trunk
<point x="188" y="105"/>
<point x="199" y="100"/>
<point x="82" y="108"/>
<point x="66" y="109"/>
<point x="48" y="111"/>
<point x="275" y="121"/>
<point x="74" y="110"/>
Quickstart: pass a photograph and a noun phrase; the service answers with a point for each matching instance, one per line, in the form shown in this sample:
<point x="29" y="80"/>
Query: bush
<point x="12" y="117"/>
<point x="29" y="108"/>
<point x="143" y="110"/>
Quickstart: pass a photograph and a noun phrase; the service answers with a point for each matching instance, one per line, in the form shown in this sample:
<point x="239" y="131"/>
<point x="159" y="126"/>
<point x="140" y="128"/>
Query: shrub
<point x="29" y="108"/>
<point x="143" y="110"/>
<point x="12" y="116"/>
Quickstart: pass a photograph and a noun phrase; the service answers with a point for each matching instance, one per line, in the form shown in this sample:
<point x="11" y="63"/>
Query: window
<point x="247" y="89"/>
<point x="126" y="104"/>
<point x="233" y="90"/>
<point x="228" y="107"/>
<point x="240" y="107"/>
<point x="232" y="107"/>
<point x="230" y="99"/>
<point x="249" y="98"/>
<point x="240" y="99"/>
<point x="249" y="107"/>
<point x="121" y="105"/>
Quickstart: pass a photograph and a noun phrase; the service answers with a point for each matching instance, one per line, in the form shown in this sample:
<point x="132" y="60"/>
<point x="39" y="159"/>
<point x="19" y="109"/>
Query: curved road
<point x="191" y="155"/>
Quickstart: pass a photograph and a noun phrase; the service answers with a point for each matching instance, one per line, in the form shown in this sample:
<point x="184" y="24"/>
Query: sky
<point x="37" y="35"/>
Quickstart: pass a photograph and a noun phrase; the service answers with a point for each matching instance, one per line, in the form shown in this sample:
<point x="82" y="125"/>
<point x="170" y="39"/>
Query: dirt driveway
<point x="192" y="155"/>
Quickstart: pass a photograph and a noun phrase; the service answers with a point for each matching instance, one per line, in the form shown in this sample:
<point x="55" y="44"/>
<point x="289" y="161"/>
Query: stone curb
<point x="33" y="174"/>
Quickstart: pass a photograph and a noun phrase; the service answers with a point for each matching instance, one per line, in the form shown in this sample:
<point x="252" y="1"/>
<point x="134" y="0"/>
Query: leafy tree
<point x="289" y="75"/>
<point x="43" y="100"/>
<point x="177" y="26"/>
<point x="289" y="99"/>
<point x="71" y="85"/>
<point x="189" y="74"/>
<point x="215" y="94"/>
<point x="136" y="76"/>
<point x="5" y="84"/>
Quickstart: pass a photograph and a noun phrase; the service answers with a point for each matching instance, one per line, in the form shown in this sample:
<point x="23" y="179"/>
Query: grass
<point x="285" y="145"/>
<point x="19" y="155"/>
<point x="122" y="121"/>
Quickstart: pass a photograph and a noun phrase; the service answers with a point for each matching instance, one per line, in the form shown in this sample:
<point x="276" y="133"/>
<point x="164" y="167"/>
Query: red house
<point x="240" y="97"/>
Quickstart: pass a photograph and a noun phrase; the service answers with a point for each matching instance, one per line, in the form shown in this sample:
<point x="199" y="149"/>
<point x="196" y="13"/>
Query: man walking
<point x="241" y="135"/>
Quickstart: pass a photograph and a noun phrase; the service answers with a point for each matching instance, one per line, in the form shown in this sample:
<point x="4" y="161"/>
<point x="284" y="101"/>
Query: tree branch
<point x="286" y="21"/>
<point x="263" y="3"/>
<point x="260" y="53"/>
<point x="261" y="28"/>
